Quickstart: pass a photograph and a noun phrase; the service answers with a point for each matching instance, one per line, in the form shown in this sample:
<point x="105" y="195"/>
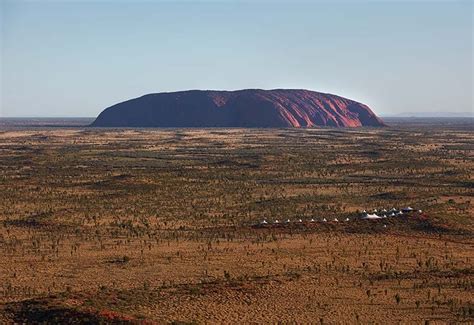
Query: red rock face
<point x="242" y="108"/>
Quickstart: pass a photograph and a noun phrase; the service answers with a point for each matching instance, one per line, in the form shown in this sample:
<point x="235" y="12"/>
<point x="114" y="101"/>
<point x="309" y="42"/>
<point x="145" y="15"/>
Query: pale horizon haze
<point x="75" y="58"/>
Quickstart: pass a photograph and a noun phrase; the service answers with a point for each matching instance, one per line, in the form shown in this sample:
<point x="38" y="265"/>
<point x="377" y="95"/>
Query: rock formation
<point x="241" y="108"/>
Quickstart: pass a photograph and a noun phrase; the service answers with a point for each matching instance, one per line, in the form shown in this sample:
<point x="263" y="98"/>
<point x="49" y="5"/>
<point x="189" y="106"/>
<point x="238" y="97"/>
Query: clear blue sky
<point x="74" y="58"/>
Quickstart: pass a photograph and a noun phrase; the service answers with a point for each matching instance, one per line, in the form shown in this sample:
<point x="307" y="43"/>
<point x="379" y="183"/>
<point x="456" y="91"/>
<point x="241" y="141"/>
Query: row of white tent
<point x="276" y="222"/>
<point x="405" y="210"/>
<point x="365" y="215"/>
<point x="384" y="213"/>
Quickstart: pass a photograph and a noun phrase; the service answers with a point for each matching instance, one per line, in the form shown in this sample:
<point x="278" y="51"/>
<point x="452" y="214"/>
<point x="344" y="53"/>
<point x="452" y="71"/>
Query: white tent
<point x="276" y="221"/>
<point x="392" y="214"/>
<point x="335" y="220"/>
<point x="347" y="219"/>
<point x="312" y="220"/>
<point x="299" y="220"/>
<point x="371" y="216"/>
<point x="288" y="221"/>
<point x="264" y="222"/>
<point x="324" y="220"/>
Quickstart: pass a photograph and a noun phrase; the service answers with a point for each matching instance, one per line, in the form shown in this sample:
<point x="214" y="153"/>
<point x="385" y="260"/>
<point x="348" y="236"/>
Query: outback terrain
<point x="159" y="226"/>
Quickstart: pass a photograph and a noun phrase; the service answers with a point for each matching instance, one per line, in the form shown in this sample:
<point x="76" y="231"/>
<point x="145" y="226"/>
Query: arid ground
<point x="158" y="225"/>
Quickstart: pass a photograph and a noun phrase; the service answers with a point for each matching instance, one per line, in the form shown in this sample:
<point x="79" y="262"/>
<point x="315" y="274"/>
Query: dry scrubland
<point x="156" y="226"/>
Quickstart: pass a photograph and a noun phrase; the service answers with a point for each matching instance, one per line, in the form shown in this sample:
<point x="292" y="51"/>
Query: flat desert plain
<point x="159" y="226"/>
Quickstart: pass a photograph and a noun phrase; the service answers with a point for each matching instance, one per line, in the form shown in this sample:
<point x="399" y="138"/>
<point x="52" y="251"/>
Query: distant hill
<point x="241" y="108"/>
<point x="431" y="115"/>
